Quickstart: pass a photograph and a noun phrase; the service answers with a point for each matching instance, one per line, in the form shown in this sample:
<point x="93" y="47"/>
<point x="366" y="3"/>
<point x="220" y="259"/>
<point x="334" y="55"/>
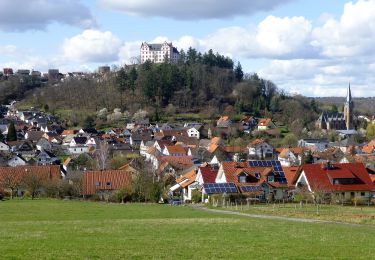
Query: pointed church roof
<point x="349" y="95"/>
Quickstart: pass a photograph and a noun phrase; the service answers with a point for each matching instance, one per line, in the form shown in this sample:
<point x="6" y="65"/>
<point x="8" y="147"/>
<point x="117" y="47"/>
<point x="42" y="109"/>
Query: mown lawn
<point x="361" y="214"/>
<point x="52" y="229"/>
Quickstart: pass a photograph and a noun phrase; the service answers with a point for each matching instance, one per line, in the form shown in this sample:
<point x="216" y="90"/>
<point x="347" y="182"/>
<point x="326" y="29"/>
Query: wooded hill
<point x="209" y="84"/>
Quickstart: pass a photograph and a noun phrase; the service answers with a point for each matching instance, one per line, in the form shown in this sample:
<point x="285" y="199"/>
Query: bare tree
<point x="9" y="182"/>
<point x="32" y="182"/>
<point x="102" y="154"/>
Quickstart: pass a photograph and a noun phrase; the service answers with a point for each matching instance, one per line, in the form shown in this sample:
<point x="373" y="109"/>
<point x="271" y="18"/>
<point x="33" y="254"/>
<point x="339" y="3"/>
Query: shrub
<point x="196" y="196"/>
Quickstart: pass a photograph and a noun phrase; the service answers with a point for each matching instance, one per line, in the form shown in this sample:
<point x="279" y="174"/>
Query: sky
<point x="309" y="47"/>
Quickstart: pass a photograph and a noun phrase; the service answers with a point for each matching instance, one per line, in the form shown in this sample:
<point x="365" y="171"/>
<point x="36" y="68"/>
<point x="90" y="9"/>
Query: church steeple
<point x="349" y="95"/>
<point x="348" y="109"/>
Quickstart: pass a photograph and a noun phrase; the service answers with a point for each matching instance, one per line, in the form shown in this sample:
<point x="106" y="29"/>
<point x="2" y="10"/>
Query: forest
<point x="206" y="84"/>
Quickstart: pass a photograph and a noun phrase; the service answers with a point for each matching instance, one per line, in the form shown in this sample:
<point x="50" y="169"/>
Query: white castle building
<point x="157" y="52"/>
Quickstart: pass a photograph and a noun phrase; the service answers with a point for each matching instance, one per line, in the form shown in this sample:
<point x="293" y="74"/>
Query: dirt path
<point x="303" y="220"/>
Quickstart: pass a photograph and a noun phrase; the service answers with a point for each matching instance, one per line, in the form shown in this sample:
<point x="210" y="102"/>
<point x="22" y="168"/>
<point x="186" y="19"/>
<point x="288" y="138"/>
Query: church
<point x="337" y="120"/>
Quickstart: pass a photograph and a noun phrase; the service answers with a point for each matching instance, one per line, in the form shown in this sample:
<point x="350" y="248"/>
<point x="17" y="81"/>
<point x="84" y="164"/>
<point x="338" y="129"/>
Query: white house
<point x="4" y="147"/>
<point x="260" y="148"/>
<point x="157" y="53"/>
<point x="288" y="158"/>
<point x="193" y="132"/>
<point x="314" y="144"/>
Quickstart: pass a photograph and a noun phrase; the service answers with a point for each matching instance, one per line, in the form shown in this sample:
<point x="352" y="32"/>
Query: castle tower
<point x="348" y="110"/>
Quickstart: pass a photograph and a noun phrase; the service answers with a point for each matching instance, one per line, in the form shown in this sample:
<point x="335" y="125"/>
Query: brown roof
<point x="369" y="147"/>
<point x="256" y="142"/>
<point x="93" y="181"/>
<point x="176" y="149"/>
<point x="233" y="149"/>
<point x="187" y="179"/>
<point x="16" y="173"/>
<point x="264" y="121"/>
<point x="291" y="174"/>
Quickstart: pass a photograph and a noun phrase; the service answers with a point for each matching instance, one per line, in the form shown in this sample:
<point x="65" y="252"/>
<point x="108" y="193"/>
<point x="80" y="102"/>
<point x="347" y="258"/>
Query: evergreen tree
<point x="238" y="73"/>
<point x="122" y="82"/>
<point x="12" y="134"/>
<point x="132" y="78"/>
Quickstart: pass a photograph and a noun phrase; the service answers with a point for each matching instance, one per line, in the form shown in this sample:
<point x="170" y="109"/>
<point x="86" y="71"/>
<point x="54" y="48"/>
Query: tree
<point x="122" y="80"/>
<point x="89" y="122"/>
<point x="290" y="140"/>
<point x="370" y="131"/>
<point x="12" y="134"/>
<point x="132" y="79"/>
<point x="238" y="73"/>
<point x="102" y="154"/>
<point x="9" y="182"/>
<point x="32" y="182"/>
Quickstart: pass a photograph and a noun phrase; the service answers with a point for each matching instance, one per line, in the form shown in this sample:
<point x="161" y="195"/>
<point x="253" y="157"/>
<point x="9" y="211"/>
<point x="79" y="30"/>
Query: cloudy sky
<point x="311" y="47"/>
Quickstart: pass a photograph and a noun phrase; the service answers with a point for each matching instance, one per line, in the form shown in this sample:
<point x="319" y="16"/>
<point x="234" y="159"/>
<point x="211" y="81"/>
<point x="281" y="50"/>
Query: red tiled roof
<point x="49" y="172"/>
<point x="233" y="149"/>
<point x="264" y="121"/>
<point x="320" y="178"/>
<point x="369" y="147"/>
<point x="176" y="149"/>
<point x="256" y="142"/>
<point x="208" y="174"/>
<point x="291" y="174"/>
<point x="92" y="181"/>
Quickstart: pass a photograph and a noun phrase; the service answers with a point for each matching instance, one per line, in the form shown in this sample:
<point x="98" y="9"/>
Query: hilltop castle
<point x="337" y="120"/>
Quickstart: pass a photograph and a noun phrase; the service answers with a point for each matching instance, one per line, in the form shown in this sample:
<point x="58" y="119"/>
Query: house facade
<point x="158" y="52"/>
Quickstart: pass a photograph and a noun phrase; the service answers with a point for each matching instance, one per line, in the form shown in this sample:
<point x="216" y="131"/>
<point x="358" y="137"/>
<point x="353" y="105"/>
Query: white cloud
<point x="92" y="46"/>
<point x="20" y="15"/>
<point x="191" y="9"/>
<point x="351" y="35"/>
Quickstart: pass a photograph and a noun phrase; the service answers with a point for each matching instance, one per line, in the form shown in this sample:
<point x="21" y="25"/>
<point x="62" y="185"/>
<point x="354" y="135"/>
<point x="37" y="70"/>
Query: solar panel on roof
<point x="275" y="164"/>
<point x="211" y="188"/>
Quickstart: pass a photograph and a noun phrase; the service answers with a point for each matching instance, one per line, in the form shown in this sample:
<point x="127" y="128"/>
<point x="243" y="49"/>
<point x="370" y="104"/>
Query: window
<point x="97" y="184"/>
<point x="363" y="194"/>
<point x="108" y="183"/>
<point x="271" y="178"/>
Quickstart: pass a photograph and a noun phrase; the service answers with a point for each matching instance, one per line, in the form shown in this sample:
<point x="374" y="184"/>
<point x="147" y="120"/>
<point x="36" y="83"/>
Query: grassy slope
<point x="64" y="229"/>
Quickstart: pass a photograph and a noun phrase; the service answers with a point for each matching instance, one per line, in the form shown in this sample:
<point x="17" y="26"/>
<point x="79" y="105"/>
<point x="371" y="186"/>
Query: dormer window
<point x="242" y="177"/>
<point x="270" y="178"/>
<point x="257" y="175"/>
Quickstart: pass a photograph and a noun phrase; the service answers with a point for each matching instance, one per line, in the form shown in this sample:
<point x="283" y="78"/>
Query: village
<point x="190" y="162"/>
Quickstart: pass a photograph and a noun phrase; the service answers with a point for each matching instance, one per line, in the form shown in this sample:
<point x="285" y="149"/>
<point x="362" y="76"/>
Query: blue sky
<point x="309" y="47"/>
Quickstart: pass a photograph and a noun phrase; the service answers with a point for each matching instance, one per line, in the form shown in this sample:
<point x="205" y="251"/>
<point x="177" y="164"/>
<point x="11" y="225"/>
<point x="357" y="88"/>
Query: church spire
<point x="349" y="95"/>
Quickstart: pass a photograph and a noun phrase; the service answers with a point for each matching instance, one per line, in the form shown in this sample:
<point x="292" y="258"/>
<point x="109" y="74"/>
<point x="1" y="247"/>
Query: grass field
<point x="361" y="214"/>
<point x="52" y="229"/>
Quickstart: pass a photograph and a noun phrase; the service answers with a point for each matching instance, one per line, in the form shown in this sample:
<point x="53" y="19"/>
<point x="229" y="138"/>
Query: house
<point x="104" y="183"/>
<point x="255" y="178"/>
<point x="185" y="184"/>
<point x="53" y="137"/>
<point x="206" y="174"/>
<point x="4" y="147"/>
<point x="235" y="153"/>
<point x="43" y="145"/>
<point x="144" y="146"/>
<point x="16" y="160"/>
<point x="45" y="158"/>
<point x="78" y="145"/>
<point x="193" y="132"/>
<point x="172" y="164"/>
<point x="265" y="124"/>
<point x="174" y="150"/>
<point x="34" y="136"/>
<point x="248" y="123"/>
<point x="290" y="156"/>
<point x="223" y="122"/>
<point x="314" y="144"/>
<point x="23" y="147"/>
<point x="339" y="182"/>
<point x="259" y="148"/>
<point x="158" y="52"/>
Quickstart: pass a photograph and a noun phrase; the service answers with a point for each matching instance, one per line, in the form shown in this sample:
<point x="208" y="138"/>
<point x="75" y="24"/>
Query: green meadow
<point x="53" y="229"/>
